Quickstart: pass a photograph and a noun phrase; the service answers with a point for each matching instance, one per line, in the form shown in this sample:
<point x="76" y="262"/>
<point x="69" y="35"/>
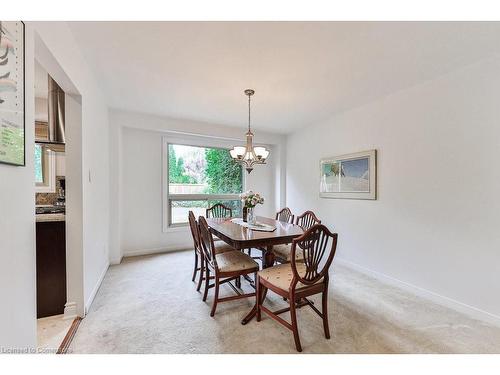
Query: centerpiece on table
<point x="249" y="200"/>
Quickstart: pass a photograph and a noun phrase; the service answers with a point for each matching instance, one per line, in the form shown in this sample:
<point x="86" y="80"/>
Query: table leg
<point x="267" y="261"/>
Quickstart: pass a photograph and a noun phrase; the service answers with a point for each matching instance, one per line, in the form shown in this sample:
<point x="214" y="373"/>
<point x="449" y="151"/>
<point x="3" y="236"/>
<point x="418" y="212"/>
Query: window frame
<point x="48" y="172"/>
<point x="194" y="141"/>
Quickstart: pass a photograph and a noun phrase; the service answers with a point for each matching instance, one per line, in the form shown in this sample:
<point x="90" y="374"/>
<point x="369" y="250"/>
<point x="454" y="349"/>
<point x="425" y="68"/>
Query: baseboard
<point x="96" y="288"/>
<point x="70" y="311"/>
<point x="115" y="261"/>
<point x="471" y="311"/>
<point x="134" y="253"/>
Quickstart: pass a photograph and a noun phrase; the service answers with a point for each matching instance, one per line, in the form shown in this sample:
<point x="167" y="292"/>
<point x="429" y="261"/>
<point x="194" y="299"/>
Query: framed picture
<point x="12" y="119"/>
<point x="351" y="176"/>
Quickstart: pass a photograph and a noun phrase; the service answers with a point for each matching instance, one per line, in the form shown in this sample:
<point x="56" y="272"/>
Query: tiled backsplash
<point x="49" y="198"/>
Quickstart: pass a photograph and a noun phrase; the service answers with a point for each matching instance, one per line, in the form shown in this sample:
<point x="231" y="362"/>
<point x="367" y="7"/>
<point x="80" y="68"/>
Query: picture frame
<point x="12" y="93"/>
<point x="349" y="176"/>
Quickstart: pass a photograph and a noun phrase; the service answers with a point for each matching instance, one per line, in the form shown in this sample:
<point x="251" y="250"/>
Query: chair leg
<point x="257" y="296"/>
<point x="250" y="252"/>
<point x="216" y="296"/>
<point x="207" y="279"/>
<point x="295" y="329"/>
<point x="202" y="271"/>
<point x="324" y="310"/>
<point x="238" y="282"/>
<point x="195" y="265"/>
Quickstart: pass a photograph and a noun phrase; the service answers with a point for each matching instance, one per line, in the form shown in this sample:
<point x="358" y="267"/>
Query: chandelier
<point x="249" y="155"/>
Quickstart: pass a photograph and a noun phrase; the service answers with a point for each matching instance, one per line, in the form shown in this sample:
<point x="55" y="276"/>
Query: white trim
<point x="201" y="197"/>
<point x="70" y="311"/>
<point x="134" y="253"/>
<point x="115" y="261"/>
<point x="177" y="228"/>
<point x="96" y="288"/>
<point x="471" y="311"/>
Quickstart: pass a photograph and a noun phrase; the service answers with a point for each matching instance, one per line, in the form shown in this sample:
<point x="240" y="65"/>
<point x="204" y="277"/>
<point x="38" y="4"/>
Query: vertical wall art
<point x="12" y="117"/>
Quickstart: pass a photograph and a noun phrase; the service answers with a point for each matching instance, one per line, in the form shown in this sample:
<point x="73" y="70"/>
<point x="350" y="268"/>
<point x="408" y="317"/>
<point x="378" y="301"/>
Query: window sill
<point x="176" y="228"/>
<point x="45" y="189"/>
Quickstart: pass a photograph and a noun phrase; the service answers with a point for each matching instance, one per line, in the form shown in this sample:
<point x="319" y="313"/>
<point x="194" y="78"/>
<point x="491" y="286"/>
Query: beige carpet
<point x="149" y="305"/>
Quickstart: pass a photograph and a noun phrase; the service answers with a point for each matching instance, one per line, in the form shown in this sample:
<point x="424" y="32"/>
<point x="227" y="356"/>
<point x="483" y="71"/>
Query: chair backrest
<point x="195" y="232"/>
<point x="318" y="246"/>
<point x="307" y="220"/>
<point x="219" y="210"/>
<point x="207" y="241"/>
<point x="285" y="215"/>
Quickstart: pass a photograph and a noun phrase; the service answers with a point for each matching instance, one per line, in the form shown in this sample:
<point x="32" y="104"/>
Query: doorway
<point x="58" y="201"/>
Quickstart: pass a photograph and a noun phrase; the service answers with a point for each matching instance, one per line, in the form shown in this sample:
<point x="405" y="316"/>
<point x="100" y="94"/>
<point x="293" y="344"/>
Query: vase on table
<point x="249" y="200"/>
<point x="251" y="216"/>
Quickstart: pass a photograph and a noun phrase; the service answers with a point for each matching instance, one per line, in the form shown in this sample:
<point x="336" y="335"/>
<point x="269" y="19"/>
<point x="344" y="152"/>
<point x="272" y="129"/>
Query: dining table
<point x="242" y="237"/>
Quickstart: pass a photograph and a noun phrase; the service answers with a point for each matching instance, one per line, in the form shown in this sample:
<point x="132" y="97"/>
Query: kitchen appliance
<point x="56" y="118"/>
<point x="61" y="193"/>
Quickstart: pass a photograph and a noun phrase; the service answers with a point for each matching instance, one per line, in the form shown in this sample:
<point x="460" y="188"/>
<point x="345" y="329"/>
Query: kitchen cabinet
<point x="50" y="267"/>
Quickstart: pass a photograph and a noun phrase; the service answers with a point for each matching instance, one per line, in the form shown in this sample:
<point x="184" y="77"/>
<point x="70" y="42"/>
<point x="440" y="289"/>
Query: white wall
<point x="88" y="207"/>
<point x="436" y="222"/>
<point x="41" y="109"/>
<point x="95" y="144"/>
<point x="17" y="229"/>
<point x="60" y="164"/>
<point x="136" y="186"/>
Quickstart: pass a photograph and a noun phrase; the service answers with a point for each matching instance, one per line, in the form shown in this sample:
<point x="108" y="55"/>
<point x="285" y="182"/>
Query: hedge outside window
<point x="199" y="177"/>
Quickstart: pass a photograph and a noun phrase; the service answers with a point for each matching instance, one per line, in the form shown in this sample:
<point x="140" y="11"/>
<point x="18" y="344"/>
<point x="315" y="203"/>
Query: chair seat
<point x="282" y="274"/>
<point x="222" y="247"/>
<point x="284" y="252"/>
<point x="234" y="261"/>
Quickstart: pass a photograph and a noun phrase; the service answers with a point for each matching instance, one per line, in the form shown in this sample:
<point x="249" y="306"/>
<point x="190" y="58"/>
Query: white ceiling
<point x="302" y="71"/>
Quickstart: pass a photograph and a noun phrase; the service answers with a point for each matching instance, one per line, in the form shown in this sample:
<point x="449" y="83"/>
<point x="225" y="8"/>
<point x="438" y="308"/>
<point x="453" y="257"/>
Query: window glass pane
<point x="202" y="170"/>
<point x="234" y="205"/>
<point x="38" y="164"/>
<point x="179" y="210"/>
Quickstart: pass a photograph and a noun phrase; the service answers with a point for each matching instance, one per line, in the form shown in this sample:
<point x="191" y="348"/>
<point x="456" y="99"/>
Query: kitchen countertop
<point x="40" y="218"/>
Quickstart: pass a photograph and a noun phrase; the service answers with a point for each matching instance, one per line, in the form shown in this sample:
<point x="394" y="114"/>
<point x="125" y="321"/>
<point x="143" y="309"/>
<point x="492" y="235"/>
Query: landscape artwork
<point x="12" y="93"/>
<point x="351" y="176"/>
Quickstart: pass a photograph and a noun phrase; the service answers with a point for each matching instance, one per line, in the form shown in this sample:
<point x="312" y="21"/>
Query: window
<point x="198" y="177"/>
<point x="45" y="165"/>
<point x="39" y="159"/>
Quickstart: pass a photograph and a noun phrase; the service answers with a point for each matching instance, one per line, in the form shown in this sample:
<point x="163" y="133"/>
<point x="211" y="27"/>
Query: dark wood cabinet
<point x="50" y="268"/>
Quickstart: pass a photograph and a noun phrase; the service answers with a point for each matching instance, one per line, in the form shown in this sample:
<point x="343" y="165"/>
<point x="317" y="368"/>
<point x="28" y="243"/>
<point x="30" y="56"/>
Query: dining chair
<point x="285" y="215"/>
<point x="298" y="280"/>
<point x="307" y="220"/>
<point x="282" y="253"/>
<point x="226" y="266"/>
<point x="220" y="247"/>
<point x="219" y="210"/>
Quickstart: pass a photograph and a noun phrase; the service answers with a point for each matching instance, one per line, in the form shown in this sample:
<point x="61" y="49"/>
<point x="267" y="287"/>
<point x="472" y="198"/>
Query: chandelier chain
<point x="249" y="96"/>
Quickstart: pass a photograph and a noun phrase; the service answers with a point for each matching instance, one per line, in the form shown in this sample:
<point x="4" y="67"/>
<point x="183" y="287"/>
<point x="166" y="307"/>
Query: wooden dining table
<point x="241" y="238"/>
